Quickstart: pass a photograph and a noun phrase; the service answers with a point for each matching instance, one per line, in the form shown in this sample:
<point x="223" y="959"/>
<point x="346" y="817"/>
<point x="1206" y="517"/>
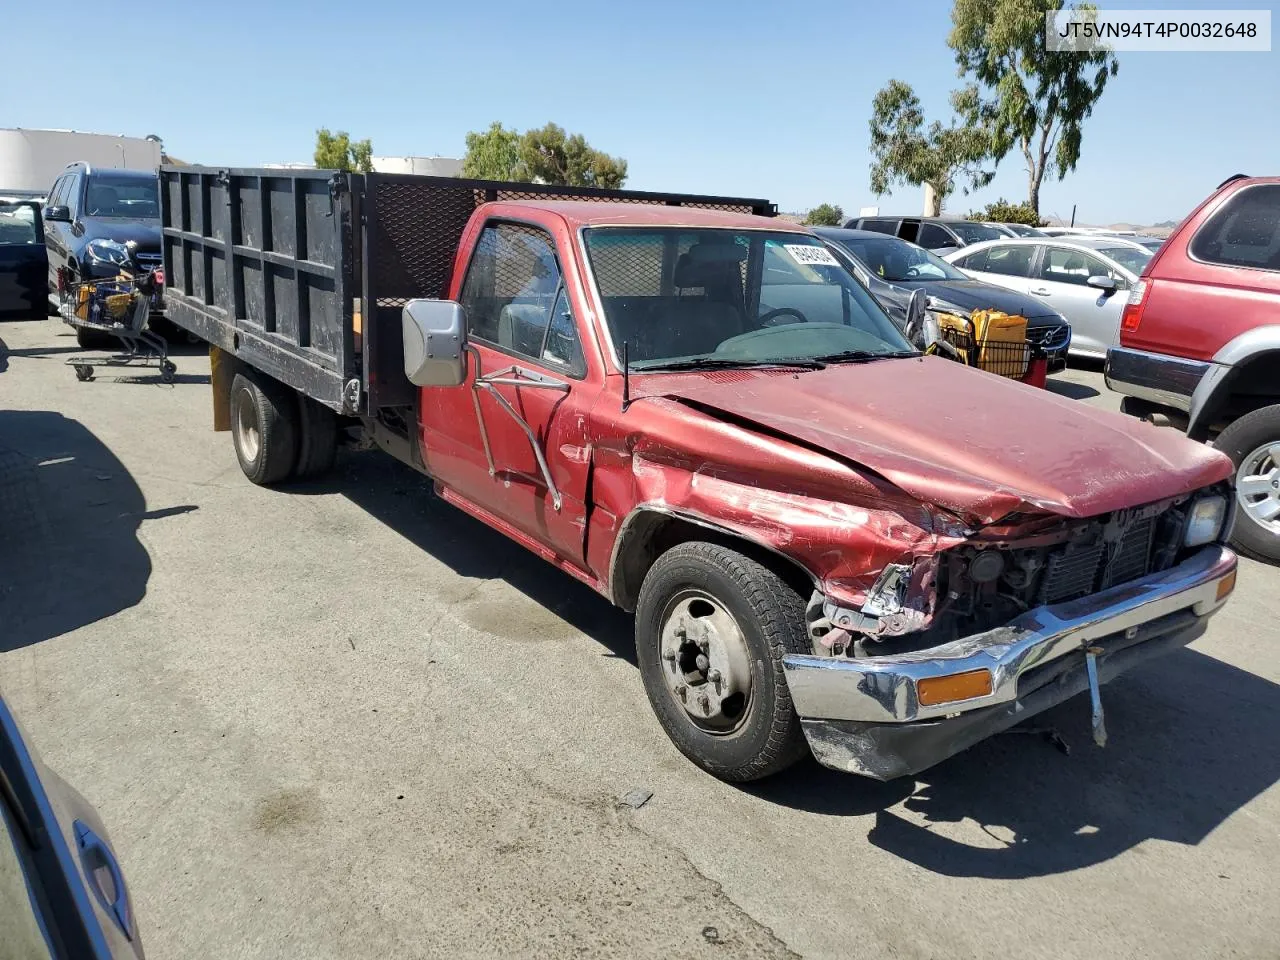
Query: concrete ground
<point x="345" y="720"/>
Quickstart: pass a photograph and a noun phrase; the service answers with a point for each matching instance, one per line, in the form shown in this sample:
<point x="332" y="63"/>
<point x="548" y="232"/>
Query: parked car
<point x="939" y="234"/>
<point x="1069" y="231"/>
<point x="892" y="269"/>
<point x="63" y="892"/>
<point x="1020" y="230"/>
<point x="23" y="263"/>
<point x="1200" y="340"/>
<point x="1078" y="276"/>
<point x="830" y="542"/>
<point x="97" y="223"/>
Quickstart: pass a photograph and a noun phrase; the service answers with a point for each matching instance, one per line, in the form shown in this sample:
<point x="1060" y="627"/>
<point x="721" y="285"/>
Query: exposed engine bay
<point x="1000" y="573"/>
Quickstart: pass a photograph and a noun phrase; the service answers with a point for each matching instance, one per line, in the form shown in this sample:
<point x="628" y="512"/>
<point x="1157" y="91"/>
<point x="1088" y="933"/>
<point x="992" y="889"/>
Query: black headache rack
<point x="303" y="273"/>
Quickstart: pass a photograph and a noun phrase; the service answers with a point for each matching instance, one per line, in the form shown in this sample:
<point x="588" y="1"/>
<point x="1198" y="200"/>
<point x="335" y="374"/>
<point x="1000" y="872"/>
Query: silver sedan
<point x="1086" y="279"/>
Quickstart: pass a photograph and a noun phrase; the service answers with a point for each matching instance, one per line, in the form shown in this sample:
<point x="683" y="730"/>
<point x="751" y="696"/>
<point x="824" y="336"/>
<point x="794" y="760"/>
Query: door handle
<point x="95" y="855"/>
<point x="1039" y="291"/>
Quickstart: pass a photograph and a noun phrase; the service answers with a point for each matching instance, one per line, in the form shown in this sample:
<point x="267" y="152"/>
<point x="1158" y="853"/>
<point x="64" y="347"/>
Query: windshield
<point x="1132" y="259"/>
<point x="134" y="197"/>
<point x="971" y="232"/>
<point x="678" y="294"/>
<point x="898" y="261"/>
<point x="18" y="224"/>
<point x="1022" y="230"/>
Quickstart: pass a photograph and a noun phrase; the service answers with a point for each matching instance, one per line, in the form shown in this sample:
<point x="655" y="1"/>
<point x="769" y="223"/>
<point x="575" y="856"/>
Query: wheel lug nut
<point x="668" y="655"/>
<point x="714" y="676"/>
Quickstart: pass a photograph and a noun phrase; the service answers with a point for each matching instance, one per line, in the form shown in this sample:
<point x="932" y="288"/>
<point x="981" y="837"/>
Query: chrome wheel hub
<point x="1258" y="486"/>
<point x="705" y="661"/>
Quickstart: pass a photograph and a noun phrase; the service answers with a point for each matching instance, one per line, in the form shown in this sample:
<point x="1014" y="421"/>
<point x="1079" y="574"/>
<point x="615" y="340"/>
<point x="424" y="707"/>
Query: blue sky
<point x="745" y="98"/>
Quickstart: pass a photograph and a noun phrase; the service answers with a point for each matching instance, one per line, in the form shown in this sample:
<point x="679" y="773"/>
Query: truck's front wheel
<point x="712" y="627"/>
<point x="264" y="427"/>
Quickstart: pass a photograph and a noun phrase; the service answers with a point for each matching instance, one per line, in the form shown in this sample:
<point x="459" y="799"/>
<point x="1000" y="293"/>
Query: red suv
<point x="1200" y="341"/>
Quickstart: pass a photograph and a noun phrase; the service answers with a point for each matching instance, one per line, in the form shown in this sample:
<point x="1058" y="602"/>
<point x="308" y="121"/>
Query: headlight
<point x="1205" y="521"/>
<point x="107" y="251"/>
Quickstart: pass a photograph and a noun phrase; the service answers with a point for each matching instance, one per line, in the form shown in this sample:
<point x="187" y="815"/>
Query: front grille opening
<point x="1080" y="569"/>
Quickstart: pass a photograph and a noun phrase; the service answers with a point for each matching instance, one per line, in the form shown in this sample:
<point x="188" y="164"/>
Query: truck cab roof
<point x="583" y="213"/>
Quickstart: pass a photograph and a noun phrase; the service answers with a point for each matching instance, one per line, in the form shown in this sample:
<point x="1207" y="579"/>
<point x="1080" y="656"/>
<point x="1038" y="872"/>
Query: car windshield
<point x="134" y="197"/>
<point x="18" y="223"/>
<point x="972" y="232"/>
<point x="1022" y="230"/>
<point x="898" y="261"/>
<point x="1132" y="259"/>
<point x="676" y="296"/>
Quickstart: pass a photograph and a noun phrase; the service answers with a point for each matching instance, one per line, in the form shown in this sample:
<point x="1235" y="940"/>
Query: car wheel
<point x="712" y="627"/>
<point x="1253" y="444"/>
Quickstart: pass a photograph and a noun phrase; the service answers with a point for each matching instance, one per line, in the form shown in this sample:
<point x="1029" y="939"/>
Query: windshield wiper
<point x="858" y="356"/>
<point x="722" y="363"/>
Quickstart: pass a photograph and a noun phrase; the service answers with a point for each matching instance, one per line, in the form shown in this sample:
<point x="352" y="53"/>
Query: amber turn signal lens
<point x="958" y="686"/>
<point x="1226" y="584"/>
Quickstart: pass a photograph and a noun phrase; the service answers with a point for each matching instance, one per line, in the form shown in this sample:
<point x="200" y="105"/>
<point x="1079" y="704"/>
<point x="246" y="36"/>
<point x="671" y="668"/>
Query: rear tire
<point x="264" y="427"/>
<point x="754" y="732"/>
<point x="319" y="442"/>
<point x="1246" y="441"/>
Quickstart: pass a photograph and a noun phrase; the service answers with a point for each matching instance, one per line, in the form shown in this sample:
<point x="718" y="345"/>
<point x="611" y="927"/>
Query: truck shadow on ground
<point x="69" y="519"/>
<point x="1191" y="742"/>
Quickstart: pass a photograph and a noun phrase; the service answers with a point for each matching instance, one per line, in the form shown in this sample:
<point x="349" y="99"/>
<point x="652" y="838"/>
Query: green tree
<point x="1002" y="211"/>
<point x="825" y="215"/>
<point x="1023" y="95"/>
<point x="492" y="154"/>
<point x="549" y="155"/>
<point x="904" y="150"/>
<point x="336" y="151"/>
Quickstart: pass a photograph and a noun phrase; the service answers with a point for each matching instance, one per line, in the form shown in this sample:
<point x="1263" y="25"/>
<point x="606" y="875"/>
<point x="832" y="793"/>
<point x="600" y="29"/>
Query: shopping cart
<point x="995" y="342"/>
<point x="118" y="307"/>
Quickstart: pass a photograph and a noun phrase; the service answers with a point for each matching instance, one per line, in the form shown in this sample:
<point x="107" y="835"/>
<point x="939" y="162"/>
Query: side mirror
<point x="434" y="335"/>
<point x="917" y="314"/>
<point x="1105" y="284"/>
<point x="58" y="214"/>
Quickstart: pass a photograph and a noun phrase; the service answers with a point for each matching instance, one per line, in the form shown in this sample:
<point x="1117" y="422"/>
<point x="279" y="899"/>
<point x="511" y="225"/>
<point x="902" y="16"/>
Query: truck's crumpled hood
<point x="974" y="443"/>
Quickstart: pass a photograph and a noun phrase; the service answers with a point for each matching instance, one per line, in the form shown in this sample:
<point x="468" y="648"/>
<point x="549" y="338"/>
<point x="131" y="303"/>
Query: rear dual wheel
<point x="279" y="434"/>
<point x="712" y="627"/>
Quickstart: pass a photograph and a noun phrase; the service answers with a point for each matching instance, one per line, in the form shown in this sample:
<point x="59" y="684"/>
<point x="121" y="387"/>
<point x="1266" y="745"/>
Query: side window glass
<point x="1245" y="231"/>
<point x="58" y="192"/>
<point x="908" y="230"/>
<point x="1064" y="265"/>
<point x="974" y="261"/>
<point x="1013" y="260"/>
<point x="72" y="199"/>
<point x="512" y="291"/>
<point x="879" y="226"/>
<point x="932" y="236"/>
<point x="562" y="346"/>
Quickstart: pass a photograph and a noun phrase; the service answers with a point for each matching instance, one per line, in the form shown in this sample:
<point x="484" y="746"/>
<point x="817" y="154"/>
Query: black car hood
<point x="975" y="295"/>
<point x="145" y="233"/>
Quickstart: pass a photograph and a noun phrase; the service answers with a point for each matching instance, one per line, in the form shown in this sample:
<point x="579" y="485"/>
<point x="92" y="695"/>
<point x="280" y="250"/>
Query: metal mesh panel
<point x="416" y="224"/>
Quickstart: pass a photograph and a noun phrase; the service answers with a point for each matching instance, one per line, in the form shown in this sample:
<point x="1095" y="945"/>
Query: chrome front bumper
<point x="856" y="699"/>
<point x="1155" y="377"/>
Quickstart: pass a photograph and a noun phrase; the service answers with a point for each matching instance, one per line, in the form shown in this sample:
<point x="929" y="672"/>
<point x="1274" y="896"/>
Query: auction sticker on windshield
<point x="811" y="256"/>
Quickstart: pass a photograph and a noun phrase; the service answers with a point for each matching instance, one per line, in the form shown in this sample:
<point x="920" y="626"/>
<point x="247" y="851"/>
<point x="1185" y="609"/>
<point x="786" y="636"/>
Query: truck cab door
<point x="510" y="443"/>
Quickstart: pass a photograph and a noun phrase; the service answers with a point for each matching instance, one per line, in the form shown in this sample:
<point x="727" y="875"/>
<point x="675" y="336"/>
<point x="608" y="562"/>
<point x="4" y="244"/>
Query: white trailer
<point x="30" y="160"/>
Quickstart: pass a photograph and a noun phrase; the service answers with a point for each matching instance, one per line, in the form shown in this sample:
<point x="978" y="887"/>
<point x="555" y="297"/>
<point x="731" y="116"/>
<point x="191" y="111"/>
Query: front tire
<point x="712" y="627"/>
<point x="1253" y="444"/>
<point x="264" y="427"/>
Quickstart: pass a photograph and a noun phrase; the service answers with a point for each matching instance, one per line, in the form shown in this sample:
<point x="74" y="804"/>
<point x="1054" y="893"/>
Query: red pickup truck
<point x="1200" y="342"/>
<point x="829" y="541"/>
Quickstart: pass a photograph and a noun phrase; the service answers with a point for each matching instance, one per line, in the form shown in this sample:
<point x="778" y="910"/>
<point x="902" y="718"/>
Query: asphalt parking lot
<point x="344" y="720"/>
